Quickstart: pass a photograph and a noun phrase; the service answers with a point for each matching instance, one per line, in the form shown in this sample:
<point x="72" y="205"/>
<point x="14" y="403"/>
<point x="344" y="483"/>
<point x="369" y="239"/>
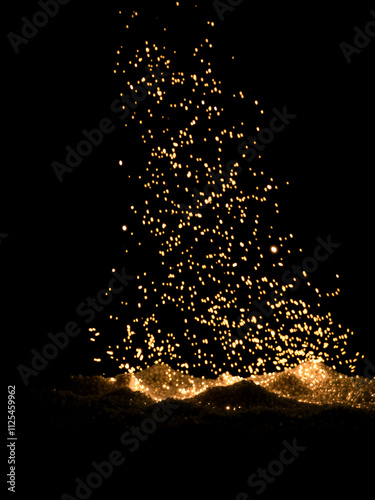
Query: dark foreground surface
<point x="196" y="448"/>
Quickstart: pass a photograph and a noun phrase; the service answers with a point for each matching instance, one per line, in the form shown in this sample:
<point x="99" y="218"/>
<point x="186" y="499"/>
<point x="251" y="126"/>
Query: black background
<point x="63" y="239"/>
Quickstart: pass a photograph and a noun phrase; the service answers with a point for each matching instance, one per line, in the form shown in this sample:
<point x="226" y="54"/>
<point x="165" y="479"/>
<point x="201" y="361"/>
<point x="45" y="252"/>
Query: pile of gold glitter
<point x="311" y="382"/>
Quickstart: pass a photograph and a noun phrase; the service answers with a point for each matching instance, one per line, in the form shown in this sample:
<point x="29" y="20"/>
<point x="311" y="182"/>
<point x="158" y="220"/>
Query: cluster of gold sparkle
<point x="218" y="252"/>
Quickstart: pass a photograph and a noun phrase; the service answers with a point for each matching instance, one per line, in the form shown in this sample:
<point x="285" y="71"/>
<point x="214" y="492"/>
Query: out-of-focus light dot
<point x="274" y="249"/>
<point x="124" y="228"/>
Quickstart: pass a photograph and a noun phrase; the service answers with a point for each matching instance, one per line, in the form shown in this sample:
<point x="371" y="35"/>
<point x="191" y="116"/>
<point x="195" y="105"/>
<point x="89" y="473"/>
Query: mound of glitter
<point x="311" y="382"/>
<point x="314" y="382"/>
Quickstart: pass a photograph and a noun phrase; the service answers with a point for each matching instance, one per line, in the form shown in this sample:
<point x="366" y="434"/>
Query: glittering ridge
<point x="311" y="382"/>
